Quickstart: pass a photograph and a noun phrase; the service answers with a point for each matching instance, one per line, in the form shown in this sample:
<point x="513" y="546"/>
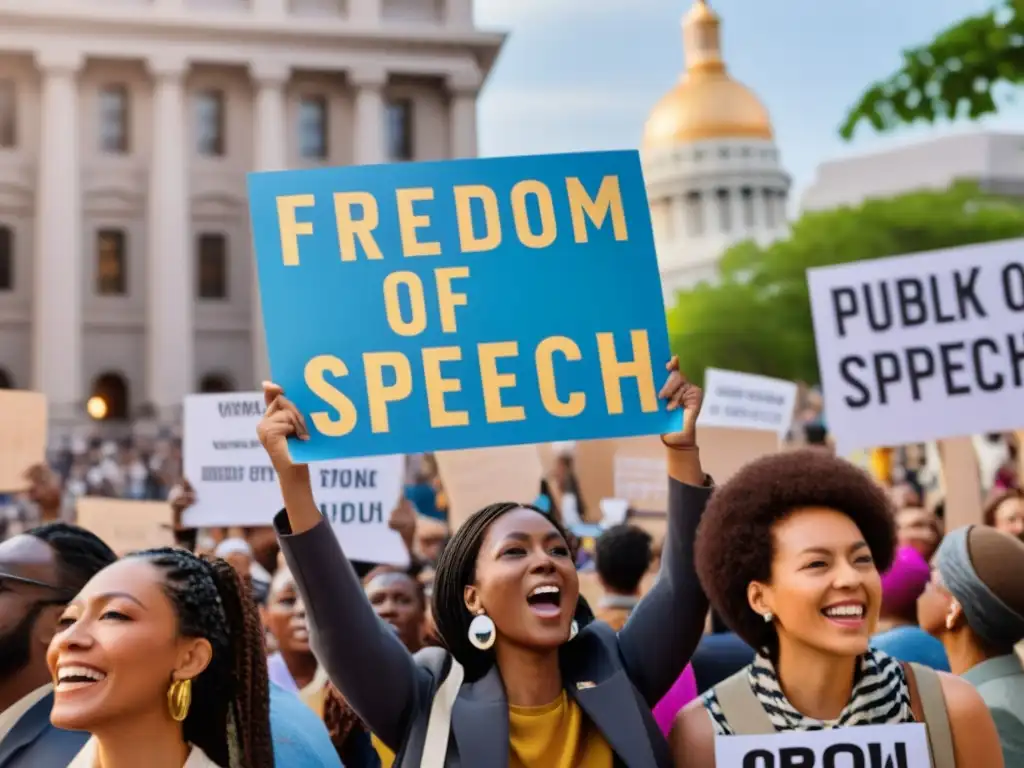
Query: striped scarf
<point x="880" y="697"/>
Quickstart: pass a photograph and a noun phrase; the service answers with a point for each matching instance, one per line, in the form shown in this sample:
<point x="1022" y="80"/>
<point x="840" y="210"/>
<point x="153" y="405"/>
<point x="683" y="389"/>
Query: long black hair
<point x="456" y="568"/>
<point x="230" y="714"/>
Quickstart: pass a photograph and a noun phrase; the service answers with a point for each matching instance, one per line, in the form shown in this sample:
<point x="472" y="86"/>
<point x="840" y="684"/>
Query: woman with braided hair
<point x="160" y="657"/>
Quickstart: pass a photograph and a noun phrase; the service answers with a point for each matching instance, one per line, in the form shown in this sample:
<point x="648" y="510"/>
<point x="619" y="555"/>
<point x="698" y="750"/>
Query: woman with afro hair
<point x="790" y="553"/>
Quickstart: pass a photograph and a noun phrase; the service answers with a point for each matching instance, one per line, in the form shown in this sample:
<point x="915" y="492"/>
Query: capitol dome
<point x="711" y="166"/>
<point x="706" y="103"/>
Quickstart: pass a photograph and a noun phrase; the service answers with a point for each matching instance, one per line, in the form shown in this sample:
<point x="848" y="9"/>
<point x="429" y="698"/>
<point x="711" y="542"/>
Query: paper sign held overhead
<point x="922" y="347"/>
<point x="127" y="526"/>
<point x="745" y="401"/>
<point x="235" y="484"/>
<point x="421" y="306"/>
<point x="863" y="746"/>
<point x="23" y="437"/>
<point x="476" y="478"/>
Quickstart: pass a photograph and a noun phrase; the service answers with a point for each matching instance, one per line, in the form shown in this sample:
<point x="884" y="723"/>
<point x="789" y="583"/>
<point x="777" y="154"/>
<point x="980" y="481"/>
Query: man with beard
<point x="40" y="571"/>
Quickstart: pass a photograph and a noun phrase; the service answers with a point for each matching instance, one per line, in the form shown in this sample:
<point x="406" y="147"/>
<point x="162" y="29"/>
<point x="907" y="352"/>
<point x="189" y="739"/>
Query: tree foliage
<point x="757" y="319"/>
<point x="951" y="77"/>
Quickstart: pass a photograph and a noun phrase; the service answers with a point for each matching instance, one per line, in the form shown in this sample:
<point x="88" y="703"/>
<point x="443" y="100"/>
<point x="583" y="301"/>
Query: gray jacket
<point x="35" y="743"/>
<point x="615" y="678"/>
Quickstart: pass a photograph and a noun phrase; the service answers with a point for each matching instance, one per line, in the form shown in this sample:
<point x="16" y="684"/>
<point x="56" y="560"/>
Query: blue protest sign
<point x="462" y="304"/>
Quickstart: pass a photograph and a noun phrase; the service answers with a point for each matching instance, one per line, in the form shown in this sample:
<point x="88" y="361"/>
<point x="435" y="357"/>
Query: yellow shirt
<point x="556" y="735"/>
<point x="387" y="757"/>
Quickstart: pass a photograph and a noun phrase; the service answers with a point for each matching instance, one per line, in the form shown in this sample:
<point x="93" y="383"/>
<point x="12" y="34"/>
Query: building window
<point x="210" y="123"/>
<point x="212" y="249"/>
<point x="6" y="259"/>
<point x="313" y="127"/>
<point x="109" y="399"/>
<point x="216" y="382"/>
<point x="724" y="210"/>
<point x="114" y="119"/>
<point x="747" y="195"/>
<point x="8" y="115"/>
<point x="111" y="263"/>
<point x="399" y="130"/>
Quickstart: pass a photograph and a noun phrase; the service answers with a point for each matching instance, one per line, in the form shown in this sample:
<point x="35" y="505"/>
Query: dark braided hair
<point x="81" y="554"/>
<point x="456" y="568"/>
<point x="230" y="714"/>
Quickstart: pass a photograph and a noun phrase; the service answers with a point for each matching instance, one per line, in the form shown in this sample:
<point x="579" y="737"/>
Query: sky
<point x="583" y="74"/>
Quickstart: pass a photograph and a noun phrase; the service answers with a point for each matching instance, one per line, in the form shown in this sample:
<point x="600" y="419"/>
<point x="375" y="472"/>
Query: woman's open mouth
<point x="849" y="614"/>
<point x="545" y="601"/>
<point x="74" y="677"/>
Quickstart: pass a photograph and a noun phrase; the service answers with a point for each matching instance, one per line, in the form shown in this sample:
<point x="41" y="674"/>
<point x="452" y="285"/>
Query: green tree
<point x="757" y="319"/>
<point x="950" y="78"/>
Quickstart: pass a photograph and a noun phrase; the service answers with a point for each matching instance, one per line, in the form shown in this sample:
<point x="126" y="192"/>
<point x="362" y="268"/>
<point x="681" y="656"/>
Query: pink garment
<point x="679" y="695"/>
<point x="904" y="582"/>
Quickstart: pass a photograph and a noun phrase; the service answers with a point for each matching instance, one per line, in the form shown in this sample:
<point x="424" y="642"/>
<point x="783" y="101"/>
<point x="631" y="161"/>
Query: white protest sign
<point x="745" y="401"/>
<point x="642" y="482"/>
<point x="862" y="746"/>
<point x="918" y="348"/>
<point x="613" y="512"/>
<point x="236" y="486"/>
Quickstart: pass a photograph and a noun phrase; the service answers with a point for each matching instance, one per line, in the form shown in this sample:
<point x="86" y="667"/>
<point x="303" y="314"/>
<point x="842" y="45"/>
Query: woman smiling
<point x="520" y="682"/>
<point x="161" y="659"/>
<point x="790" y="552"/>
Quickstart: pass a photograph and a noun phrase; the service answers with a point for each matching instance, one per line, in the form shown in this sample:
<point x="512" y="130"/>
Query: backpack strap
<point x="439" y="726"/>
<point x="926" y="691"/>
<point x="742" y="711"/>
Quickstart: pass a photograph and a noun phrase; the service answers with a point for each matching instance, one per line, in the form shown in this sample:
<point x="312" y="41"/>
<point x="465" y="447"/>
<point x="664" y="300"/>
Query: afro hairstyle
<point x="734" y="543"/>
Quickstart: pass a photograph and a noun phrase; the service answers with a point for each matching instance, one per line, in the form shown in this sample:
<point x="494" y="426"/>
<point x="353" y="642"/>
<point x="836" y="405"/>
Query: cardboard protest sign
<point x="922" y="347"/>
<point x="235" y="484"/>
<point x="125" y="525"/>
<point x="422" y="306"/>
<point x="475" y="478"/>
<point x="960" y="482"/>
<point x="863" y="746"/>
<point x="745" y="401"/>
<point x="23" y="437"/>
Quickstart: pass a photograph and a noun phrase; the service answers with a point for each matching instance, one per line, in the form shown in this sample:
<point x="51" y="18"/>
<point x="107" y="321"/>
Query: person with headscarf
<point x="899" y="635"/>
<point x="974" y="604"/>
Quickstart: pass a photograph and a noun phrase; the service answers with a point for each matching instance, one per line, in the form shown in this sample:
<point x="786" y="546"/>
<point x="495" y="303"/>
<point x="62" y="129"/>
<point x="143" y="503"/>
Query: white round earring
<point x="768" y="617"/>
<point x="482" y="632"/>
<point x="574" y="629"/>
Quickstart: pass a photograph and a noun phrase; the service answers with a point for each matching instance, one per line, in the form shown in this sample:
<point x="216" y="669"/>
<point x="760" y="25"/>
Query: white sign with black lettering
<point x="236" y="485"/>
<point x="746" y="401"/>
<point x="862" y="746"/>
<point x="923" y="347"/>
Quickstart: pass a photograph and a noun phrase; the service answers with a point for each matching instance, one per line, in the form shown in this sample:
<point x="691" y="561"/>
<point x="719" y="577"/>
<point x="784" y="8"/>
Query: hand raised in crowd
<point x="680" y="393"/>
<point x="44" y="490"/>
<point x="181" y="497"/>
<point x="403" y="522"/>
<point x="280" y="421"/>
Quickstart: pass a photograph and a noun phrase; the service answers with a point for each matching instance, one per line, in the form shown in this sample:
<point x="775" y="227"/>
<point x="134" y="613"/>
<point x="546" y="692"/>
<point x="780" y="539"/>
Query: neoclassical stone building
<point x="126" y="131"/>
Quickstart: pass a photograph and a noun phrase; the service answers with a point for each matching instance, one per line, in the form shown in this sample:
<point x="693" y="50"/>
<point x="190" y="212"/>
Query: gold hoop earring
<point x="179" y="699"/>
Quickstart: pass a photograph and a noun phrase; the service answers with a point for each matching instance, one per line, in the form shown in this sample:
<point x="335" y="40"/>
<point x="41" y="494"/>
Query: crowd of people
<point x="799" y="595"/>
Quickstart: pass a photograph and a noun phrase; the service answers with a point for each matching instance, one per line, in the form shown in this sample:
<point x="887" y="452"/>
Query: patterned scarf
<point x="880" y="696"/>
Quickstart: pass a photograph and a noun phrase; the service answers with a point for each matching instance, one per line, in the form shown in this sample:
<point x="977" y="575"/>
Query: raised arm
<point x="364" y="659"/>
<point x="664" y="629"/>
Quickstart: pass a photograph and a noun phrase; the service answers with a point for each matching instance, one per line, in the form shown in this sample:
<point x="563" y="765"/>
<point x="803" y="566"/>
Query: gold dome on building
<point x="706" y="103"/>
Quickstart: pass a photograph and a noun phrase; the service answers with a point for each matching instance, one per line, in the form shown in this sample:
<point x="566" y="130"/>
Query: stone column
<point x="265" y="8"/>
<point x="739" y="215"/>
<point x="370" y="145"/>
<point x="464" y="87"/>
<point x="59" y="252"/>
<point x="364" y="11"/>
<point x="170" y="267"/>
<point x="271" y="154"/>
<point x="459" y="13"/>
